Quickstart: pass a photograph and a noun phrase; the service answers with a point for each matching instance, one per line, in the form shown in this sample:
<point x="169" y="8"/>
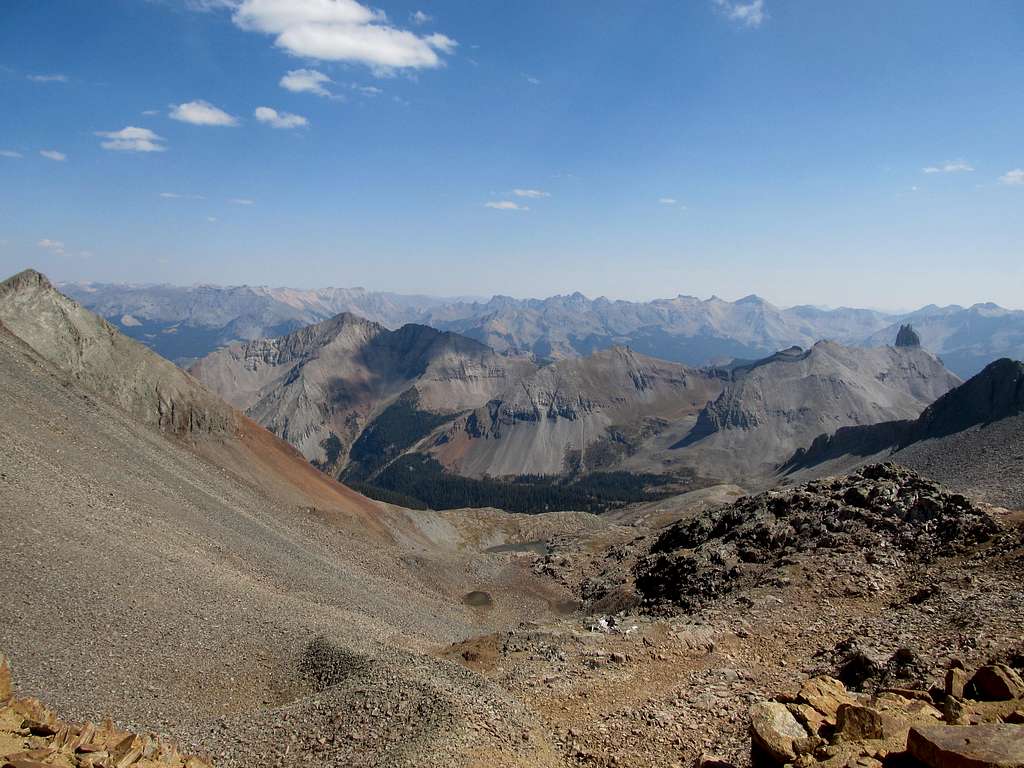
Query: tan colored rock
<point x="825" y="694"/>
<point x="777" y="732"/>
<point x="995" y="682"/>
<point x="976" y="746"/>
<point x="855" y="722"/>
<point x="128" y="750"/>
<point x="6" y="686"/>
<point x="956" y="681"/>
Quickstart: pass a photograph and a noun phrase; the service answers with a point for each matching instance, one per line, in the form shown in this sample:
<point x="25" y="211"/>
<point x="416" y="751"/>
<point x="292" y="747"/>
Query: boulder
<point x="975" y="746"/>
<point x="995" y="682"/>
<point x="825" y="694"/>
<point x="6" y="687"/>
<point x="777" y="733"/>
<point x="956" y="682"/>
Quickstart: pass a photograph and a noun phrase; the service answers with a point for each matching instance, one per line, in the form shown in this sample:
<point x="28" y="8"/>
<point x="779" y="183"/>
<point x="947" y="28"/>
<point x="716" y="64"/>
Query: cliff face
<point x="96" y="355"/>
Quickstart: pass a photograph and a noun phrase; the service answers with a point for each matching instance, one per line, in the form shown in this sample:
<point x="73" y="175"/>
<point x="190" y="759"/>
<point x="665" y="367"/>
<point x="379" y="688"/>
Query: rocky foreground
<point x="969" y="722"/>
<point x="31" y="736"/>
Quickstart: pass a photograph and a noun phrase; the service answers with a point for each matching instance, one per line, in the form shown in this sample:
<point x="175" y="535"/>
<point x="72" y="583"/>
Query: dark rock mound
<point x="880" y="508"/>
<point x="907" y="337"/>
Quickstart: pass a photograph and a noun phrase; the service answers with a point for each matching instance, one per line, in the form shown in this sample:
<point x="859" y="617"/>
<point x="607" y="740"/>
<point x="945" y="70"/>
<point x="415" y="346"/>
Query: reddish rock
<point x="973" y="746"/>
<point x="995" y="682"/>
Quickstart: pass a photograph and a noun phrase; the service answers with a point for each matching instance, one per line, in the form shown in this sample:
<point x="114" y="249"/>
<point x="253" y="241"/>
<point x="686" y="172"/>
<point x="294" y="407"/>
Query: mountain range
<point x="186" y="323"/>
<point x="417" y="411"/>
<point x="173" y="565"/>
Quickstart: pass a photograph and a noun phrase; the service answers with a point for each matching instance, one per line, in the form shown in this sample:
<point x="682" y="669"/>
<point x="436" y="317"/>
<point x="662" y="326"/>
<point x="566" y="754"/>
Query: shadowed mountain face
<point x="972" y="437"/>
<point x="320" y="387"/>
<point x="184" y="324"/>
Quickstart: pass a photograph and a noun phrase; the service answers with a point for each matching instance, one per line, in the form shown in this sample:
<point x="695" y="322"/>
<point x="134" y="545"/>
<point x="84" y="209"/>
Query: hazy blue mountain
<point x="186" y="323"/>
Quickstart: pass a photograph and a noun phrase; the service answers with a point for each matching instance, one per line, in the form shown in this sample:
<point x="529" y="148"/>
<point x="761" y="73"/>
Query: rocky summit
<point x="889" y="513"/>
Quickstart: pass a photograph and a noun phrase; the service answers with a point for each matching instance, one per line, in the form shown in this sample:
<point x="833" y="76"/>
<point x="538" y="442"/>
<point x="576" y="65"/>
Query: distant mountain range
<point x="186" y="323"/>
<point x="443" y="420"/>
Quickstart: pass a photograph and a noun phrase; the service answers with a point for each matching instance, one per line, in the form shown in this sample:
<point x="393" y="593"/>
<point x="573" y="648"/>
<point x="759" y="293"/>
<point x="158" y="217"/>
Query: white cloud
<point x="279" y="119"/>
<point x="306" y="81"/>
<point x="201" y="113"/>
<point x="53" y="154"/>
<point x="212" y="219"/>
<point x="177" y="196"/>
<point x="53" y="246"/>
<point x="506" y="205"/>
<point x="9" y="153"/>
<point x="750" y="14"/>
<point x="132" y="139"/>
<point x="366" y="90"/>
<point x="532" y="80"/>
<point x="342" y="30"/>
<point x="241" y="201"/>
<point x="150" y="112"/>
<point x="667" y="200"/>
<point x="1013" y="178"/>
<point x="48" y="78"/>
<point x="205" y="6"/>
<point x="950" y="166"/>
<point x="420" y="18"/>
<point x="532" y="193"/>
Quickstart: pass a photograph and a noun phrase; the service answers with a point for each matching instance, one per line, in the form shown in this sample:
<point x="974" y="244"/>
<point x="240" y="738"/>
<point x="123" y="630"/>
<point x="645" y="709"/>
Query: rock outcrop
<point x="907" y="337"/>
<point x="32" y="736"/>
<point x="827" y="726"/>
<point x="881" y="509"/>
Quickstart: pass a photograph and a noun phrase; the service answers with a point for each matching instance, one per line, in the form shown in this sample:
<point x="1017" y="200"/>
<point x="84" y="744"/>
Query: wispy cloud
<point x="150" y="112"/>
<point x="505" y="205"/>
<point x="178" y="196"/>
<point x="132" y="139"/>
<point x="366" y="90"/>
<point x="241" y="201"/>
<point x="202" y="113"/>
<point x="53" y="246"/>
<point x="342" y="30"/>
<point x="531" y="80"/>
<point x="306" y="81"/>
<point x="419" y="18"/>
<point x="9" y="153"/>
<point x="53" y="154"/>
<point x="950" y="166"/>
<point x="667" y="200"/>
<point x="48" y="78"/>
<point x="531" y="193"/>
<point x="277" y="119"/>
<point x="749" y="14"/>
<point x="1014" y="178"/>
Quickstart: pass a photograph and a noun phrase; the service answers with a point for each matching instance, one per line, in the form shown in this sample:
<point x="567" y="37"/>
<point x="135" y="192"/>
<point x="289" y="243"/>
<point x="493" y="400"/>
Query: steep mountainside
<point x="103" y="361"/>
<point x="971" y="438"/>
<point x="620" y="410"/>
<point x="577" y="415"/>
<point x="320" y="387"/>
<point x="779" y="404"/>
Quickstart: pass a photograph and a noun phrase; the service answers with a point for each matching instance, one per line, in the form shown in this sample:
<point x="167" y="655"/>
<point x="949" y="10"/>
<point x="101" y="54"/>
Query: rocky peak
<point x="28" y="278"/>
<point x="907" y="337"/>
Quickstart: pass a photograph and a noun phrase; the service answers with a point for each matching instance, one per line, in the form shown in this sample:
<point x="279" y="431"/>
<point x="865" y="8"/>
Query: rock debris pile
<point x="884" y="511"/>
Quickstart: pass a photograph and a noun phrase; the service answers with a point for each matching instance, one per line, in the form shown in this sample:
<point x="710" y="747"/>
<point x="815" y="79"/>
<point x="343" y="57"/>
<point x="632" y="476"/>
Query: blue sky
<point x="811" y="151"/>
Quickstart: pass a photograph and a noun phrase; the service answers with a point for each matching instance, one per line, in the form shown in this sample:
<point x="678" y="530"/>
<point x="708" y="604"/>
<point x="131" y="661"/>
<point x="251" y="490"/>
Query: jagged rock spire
<point x="907" y="337"/>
